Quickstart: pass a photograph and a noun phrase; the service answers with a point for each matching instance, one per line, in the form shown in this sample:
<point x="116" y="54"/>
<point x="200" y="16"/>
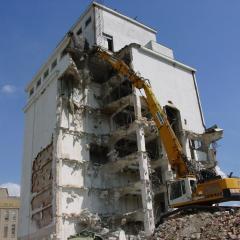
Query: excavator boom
<point x="171" y="144"/>
<point x="185" y="190"/>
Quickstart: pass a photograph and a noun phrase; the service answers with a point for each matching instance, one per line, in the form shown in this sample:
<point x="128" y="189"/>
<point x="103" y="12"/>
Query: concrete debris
<point x="89" y="219"/>
<point x="203" y="225"/>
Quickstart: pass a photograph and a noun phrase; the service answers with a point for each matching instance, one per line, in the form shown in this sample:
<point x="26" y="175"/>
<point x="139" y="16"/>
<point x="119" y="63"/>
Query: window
<point x="183" y="187"/>
<point x="193" y="185"/>
<point x="45" y="73"/>
<point x="79" y="32"/>
<point x="174" y="118"/>
<point x="195" y="144"/>
<point x="6" y="216"/>
<point x="31" y="92"/>
<point x="109" y="40"/>
<point x="14" y="216"/>
<point x="38" y="82"/>
<point x="5" y="232"/>
<point x="88" y="21"/>
<point x="13" y="230"/>
<point x="175" y="191"/>
<point x="54" y="64"/>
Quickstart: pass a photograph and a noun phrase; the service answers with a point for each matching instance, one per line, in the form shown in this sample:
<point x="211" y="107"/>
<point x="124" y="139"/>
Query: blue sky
<point x="203" y="34"/>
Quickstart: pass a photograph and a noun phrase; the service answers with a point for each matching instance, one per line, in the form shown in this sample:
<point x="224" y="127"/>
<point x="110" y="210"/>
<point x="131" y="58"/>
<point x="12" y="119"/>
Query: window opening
<point x="45" y="73"/>
<point x="14" y="216"/>
<point x="31" y="92"/>
<point x="174" y="119"/>
<point x="193" y="185"/>
<point x="183" y="187"/>
<point x="88" y="21"/>
<point x="38" y="82"/>
<point x="79" y="32"/>
<point x="176" y="191"/>
<point x="6" y="216"/>
<point x="54" y="64"/>
<point x="109" y="40"/>
<point x="13" y="230"/>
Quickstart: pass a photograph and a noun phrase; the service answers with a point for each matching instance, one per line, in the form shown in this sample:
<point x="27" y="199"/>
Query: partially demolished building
<point x="92" y="156"/>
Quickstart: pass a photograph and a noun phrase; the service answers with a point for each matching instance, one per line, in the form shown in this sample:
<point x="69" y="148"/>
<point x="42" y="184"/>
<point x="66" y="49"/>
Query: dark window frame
<point x="109" y="40"/>
<point x="31" y="92"/>
<point x="46" y="73"/>
<point x="79" y="31"/>
<point x="13" y="230"/>
<point x="6" y="215"/>
<point x="14" y="216"/>
<point x="39" y="82"/>
<point x="54" y="64"/>
<point x="88" y="21"/>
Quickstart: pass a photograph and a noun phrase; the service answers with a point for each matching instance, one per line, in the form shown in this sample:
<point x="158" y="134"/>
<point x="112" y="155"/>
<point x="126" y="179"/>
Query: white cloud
<point x="220" y="172"/>
<point x="8" y="89"/>
<point x="13" y="188"/>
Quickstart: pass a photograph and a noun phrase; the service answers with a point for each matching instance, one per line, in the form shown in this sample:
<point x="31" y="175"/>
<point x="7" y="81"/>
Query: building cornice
<point x="124" y="17"/>
<point x="10" y="202"/>
<point x="167" y="59"/>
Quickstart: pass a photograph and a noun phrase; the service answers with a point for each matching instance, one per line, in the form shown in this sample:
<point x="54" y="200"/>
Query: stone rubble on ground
<point x="201" y="225"/>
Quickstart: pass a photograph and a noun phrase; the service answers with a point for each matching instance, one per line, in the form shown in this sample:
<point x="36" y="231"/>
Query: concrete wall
<point x="103" y="20"/>
<point x="40" y="121"/>
<point x="170" y="82"/>
<point x="88" y="31"/>
<point x="123" y="31"/>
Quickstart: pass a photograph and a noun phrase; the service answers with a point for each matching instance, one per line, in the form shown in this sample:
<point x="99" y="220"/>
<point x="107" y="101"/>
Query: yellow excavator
<point x="189" y="187"/>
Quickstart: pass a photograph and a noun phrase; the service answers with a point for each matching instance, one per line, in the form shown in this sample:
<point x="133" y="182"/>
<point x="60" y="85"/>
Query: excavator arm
<point x="174" y="151"/>
<point x="185" y="189"/>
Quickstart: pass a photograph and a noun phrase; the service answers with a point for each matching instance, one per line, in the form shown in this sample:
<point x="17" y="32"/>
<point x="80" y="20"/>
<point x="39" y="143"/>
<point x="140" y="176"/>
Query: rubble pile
<point x="201" y="225"/>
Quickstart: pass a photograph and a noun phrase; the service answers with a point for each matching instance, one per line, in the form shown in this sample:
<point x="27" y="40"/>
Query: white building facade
<point x="92" y="157"/>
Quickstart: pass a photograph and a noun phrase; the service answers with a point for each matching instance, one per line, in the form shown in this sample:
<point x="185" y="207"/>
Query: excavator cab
<point x="181" y="190"/>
